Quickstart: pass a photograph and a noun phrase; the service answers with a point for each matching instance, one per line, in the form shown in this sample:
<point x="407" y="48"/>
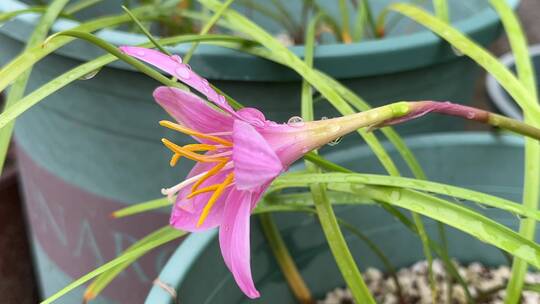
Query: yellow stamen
<point x="199" y="147"/>
<point x="182" y="129"/>
<point x="209" y="174"/>
<point x="189" y="154"/>
<point x="174" y="159"/>
<point x="214" y="198"/>
<point x="203" y="190"/>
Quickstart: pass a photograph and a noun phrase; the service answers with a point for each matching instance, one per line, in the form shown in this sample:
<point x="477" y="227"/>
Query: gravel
<point x="416" y="290"/>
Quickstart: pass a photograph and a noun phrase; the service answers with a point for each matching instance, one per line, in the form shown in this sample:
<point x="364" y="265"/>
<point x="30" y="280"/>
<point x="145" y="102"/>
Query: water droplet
<point x="176" y="58"/>
<point x="471" y="115"/>
<point x="457" y="52"/>
<point x="90" y="75"/>
<point x="324" y="118"/>
<point x="395" y="195"/>
<point x="205" y="85"/>
<point x="335" y="141"/>
<point x="358" y="187"/>
<point x="296" y="121"/>
<point x="140" y="53"/>
<point x="221" y="99"/>
<point x="183" y="72"/>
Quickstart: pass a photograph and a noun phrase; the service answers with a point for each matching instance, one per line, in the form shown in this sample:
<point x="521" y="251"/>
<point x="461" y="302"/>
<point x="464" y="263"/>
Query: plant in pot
<point x="251" y="144"/>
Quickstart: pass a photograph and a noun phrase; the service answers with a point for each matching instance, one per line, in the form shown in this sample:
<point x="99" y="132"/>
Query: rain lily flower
<point x="239" y="153"/>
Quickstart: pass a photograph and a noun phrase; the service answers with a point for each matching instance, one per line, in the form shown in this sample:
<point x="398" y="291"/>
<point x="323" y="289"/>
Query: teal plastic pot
<point x="410" y="64"/>
<point x="480" y="161"/>
<point x="93" y="147"/>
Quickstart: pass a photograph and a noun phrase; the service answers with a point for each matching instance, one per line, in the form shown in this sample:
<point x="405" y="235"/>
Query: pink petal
<point x="234" y="240"/>
<point x="255" y="163"/>
<point x="253" y="116"/>
<point x="192" y="112"/>
<point x="173" y="65"/>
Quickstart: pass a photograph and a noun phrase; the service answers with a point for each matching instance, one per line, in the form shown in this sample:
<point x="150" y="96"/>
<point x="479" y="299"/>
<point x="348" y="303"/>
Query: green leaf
<point x="471" y="49"/>
<point x="531" y="194"/>
<point x="79" y="6"/>
<point x="103" y="280"/>
<point x="330" y="226"/>
<point x="119" y="261"/>
<point x="19" y="86"/>
<point x="300" y="180"/>
<point x="76" y="73"/>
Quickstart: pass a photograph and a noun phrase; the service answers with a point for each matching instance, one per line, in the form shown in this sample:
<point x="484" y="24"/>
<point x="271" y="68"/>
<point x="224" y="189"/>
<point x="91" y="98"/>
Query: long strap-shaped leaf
<point x="325" y="211"/>
<point x="105" y="278"/>
<point x="452" y="214"/>
<point x="118" y="262"/>
<point x="525" y="71"/>
<point x="19" y="86"/>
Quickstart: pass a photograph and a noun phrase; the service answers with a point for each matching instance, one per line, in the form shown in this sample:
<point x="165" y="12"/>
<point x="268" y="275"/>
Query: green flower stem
<point x="325" y="212"/>
<point x="285" y="261"/>
<point x="19" y="86"/>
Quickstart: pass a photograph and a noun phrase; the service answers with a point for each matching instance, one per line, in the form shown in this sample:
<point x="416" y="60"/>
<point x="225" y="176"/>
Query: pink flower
<point x="238" y="155"/>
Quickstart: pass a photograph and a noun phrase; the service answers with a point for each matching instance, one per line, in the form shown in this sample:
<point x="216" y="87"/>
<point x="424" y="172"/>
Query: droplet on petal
<point x="141" y="53"/>
<point x="471" y="115"/>
<point x="176" y="58"/>
<point x="183" y="71"/>
<point x="205" y="85"/>
<point x="295" y="121"/>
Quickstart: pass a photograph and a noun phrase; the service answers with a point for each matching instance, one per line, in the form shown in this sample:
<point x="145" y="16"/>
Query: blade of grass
<point x="531" y="195"/>
<point x="19" y="86"/>
<point x="285" y="260"/>
<point x="441" y="10"/>
<point x="79" y="6"/>
<point x="477" y="53"/>
<point x="207" y="27"/>
<point x="345" y="27"/>
<point x="103" y="280"/>
<point x="76" y="73"/>
<point x="325" y="212"/>
<point x="127" y="256"/>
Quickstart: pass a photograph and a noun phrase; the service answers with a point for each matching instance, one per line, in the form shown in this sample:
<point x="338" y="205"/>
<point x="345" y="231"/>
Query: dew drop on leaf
<point x="90" y="75"/>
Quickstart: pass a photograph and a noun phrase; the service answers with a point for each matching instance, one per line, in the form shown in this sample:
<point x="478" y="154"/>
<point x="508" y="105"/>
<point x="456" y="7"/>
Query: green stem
<point x="19" y="86"/>
<point x="285" y="261"/>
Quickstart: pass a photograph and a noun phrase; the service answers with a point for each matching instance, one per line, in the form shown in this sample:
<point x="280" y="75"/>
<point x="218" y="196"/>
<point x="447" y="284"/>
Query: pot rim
<point x="496" y="92"/>
<point x="174" y="273"/>
<point x="418" y="49"/>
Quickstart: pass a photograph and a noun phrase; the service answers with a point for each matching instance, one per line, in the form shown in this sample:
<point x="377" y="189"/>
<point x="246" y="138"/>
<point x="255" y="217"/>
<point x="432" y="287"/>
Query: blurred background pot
<point x="503" y="102"/>
<point x="197" y="272"/>
<point x="93" y="146"/>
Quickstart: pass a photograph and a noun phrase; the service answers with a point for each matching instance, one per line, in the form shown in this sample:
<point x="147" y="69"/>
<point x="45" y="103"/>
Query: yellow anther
<point x="203" y="190"/>
<point x="209" y="174"/>
<point x="228" y="180"/>
<point x="174" y="159"/>
<point x="189" y="154"/>
<point x="182" y="129"/>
